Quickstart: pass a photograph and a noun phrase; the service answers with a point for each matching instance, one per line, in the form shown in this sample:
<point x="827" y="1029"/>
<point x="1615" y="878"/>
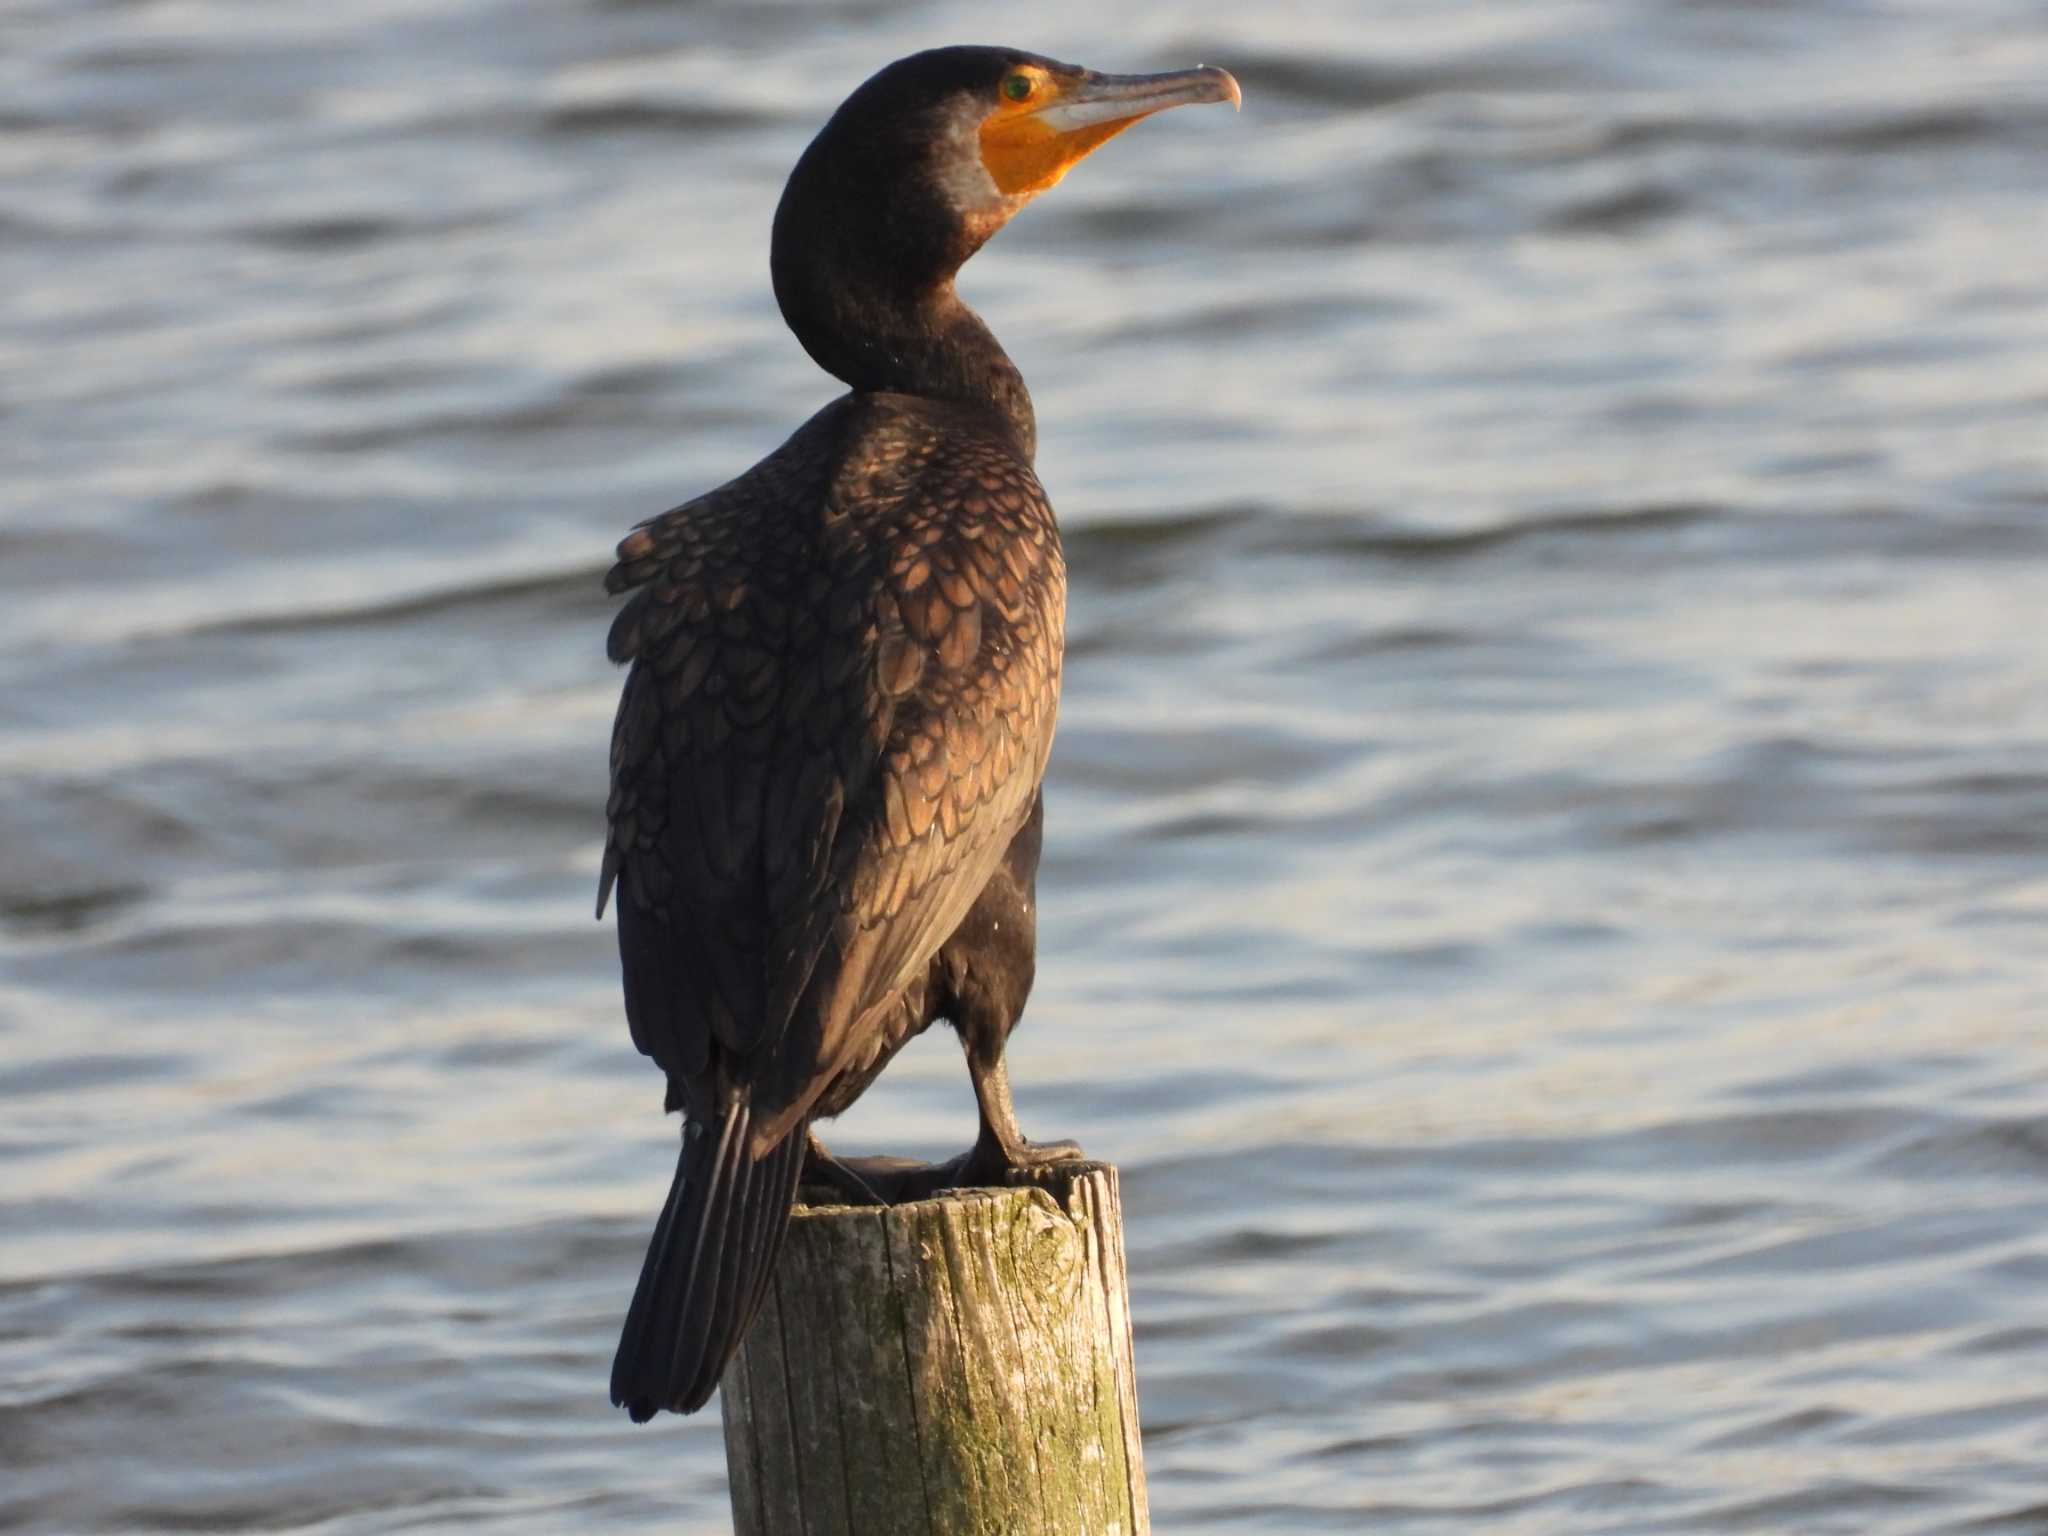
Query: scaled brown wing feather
<point x="968" y="644"/>
<point x="832" y="730"/>
<point x="722" y="585"/>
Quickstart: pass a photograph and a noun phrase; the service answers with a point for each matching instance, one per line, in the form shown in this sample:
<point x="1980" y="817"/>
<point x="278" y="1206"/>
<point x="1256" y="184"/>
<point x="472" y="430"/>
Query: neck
<point x="881" y="334"/>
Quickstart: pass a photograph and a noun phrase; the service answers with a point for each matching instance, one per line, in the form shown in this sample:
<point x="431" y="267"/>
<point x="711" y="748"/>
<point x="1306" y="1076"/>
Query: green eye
<point x="1017" y="87"/>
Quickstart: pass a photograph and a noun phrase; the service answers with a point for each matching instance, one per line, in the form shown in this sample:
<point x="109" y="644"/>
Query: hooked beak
<point x="1028" y="151"/>
<point x="1095" y="99"/>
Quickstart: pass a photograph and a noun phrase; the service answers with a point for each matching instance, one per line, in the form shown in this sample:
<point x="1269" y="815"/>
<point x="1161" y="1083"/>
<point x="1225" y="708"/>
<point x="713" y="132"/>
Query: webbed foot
<point x="877" y="1180"/>
<point x="843" y="1177"/>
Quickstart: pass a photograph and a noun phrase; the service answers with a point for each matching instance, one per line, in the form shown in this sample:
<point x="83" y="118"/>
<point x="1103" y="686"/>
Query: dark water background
<point x="1548" y="868"/>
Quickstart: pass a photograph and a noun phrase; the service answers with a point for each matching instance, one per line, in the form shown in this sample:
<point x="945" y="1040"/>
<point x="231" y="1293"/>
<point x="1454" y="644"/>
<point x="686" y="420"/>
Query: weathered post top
<point x="952" y="1365"/>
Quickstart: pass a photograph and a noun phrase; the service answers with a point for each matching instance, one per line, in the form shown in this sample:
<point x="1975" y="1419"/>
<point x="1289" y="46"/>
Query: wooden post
<point x="948" y="1366"/>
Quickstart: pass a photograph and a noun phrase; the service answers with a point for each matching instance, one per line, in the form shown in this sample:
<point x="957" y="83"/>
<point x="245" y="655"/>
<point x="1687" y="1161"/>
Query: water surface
<point x="1548" y="866"/>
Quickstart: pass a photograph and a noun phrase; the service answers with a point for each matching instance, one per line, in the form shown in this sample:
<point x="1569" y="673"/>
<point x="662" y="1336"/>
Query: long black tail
<point x="707" y="1268"/>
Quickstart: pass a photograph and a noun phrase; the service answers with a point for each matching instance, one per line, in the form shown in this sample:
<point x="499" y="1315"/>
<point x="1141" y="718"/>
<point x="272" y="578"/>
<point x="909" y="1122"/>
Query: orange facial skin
<point x="1042" y="123"/>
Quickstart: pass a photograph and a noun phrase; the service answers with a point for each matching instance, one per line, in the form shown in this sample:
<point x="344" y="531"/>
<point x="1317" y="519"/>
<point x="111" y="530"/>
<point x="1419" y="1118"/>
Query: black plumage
<point x="825" y="816"/>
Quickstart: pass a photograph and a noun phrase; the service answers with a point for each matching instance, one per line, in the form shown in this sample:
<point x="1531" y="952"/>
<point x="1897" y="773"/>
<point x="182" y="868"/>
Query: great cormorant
<point x="824" y="817"/>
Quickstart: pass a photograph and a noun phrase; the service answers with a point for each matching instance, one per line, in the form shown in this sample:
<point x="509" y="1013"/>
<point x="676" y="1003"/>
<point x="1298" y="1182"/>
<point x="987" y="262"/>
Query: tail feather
<point x="707" y="1267"/>
<point x="779" y="1193"/>
<point x="697" y="1198"/>
<point x="696" y="1360"/>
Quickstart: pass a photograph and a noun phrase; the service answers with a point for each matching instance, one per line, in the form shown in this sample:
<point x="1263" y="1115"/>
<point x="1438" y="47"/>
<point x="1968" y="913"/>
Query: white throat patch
<point x="963" y="179"/>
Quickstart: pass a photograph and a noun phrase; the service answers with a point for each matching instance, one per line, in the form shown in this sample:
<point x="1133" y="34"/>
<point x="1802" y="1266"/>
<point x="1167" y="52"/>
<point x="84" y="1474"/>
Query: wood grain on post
<point x="947" y="1366"/>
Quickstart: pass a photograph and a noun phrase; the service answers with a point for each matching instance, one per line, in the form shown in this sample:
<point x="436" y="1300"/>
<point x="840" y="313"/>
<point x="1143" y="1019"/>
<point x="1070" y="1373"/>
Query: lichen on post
<point x="952" y="1365"/>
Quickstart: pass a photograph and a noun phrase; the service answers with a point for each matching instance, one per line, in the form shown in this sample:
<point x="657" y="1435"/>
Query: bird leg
<point x="1000" y="1151"/>
<point x="1000" y="1156"/>
<point x="877" y="1180"/>
<point x="825" y="1171"/>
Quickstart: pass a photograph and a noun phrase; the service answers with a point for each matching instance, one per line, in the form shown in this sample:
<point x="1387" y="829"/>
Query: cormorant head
<point x="929" y="158"/>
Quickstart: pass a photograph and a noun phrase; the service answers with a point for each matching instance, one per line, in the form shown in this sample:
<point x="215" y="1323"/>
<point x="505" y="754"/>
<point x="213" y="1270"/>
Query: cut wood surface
<point x="953" y="1365"/>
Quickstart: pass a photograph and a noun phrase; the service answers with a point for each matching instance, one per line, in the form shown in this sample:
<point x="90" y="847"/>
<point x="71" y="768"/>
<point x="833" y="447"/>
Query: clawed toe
<point x="995" y="1163"/>
<point x="1042" y="1154"/>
